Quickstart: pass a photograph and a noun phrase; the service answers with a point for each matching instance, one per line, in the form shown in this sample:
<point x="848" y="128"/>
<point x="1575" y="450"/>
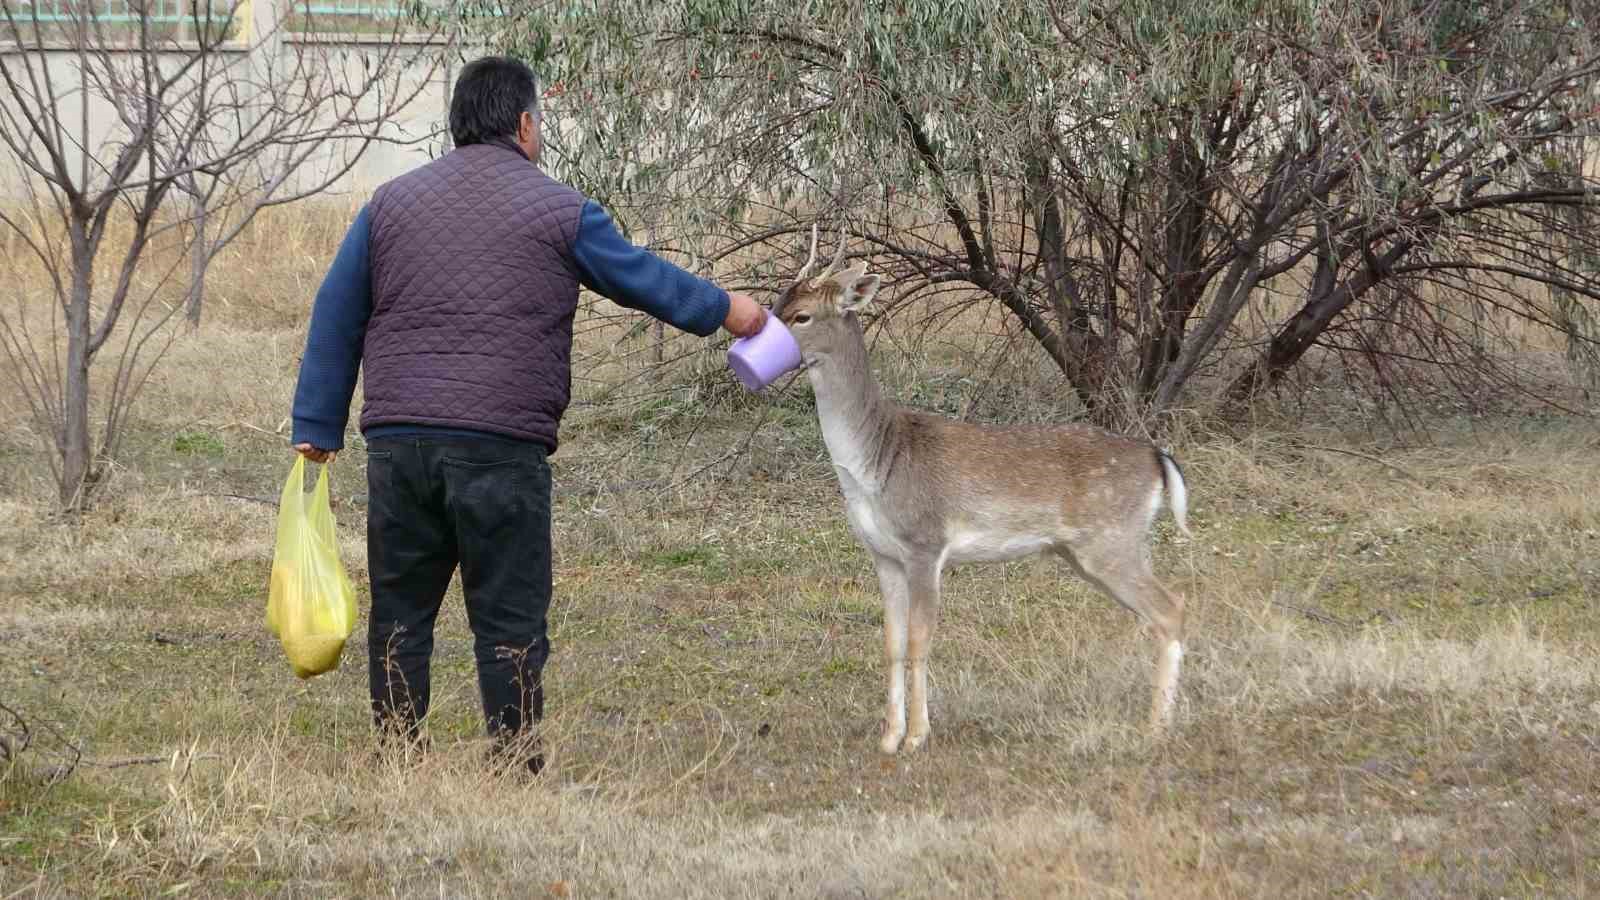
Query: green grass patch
<point x="198" y="443"/>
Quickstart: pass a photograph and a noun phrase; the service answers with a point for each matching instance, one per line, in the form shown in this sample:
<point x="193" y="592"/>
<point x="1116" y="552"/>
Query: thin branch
<point x="1369" y="458"/>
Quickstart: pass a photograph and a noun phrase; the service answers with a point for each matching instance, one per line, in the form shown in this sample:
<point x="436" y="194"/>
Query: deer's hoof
<point x="916" y="742"/>
<point x="890" y="742"/>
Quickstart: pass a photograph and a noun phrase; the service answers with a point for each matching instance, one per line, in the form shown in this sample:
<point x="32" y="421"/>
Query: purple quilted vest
<point x="473" y="293"/>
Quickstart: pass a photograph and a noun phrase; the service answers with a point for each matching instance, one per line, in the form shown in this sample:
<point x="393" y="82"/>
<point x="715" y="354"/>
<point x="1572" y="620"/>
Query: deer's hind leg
<point x="1124" y="573"/>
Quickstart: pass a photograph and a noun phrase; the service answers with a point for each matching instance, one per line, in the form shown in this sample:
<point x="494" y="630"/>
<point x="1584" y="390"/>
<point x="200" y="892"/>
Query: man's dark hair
<point x="490" y="97"/>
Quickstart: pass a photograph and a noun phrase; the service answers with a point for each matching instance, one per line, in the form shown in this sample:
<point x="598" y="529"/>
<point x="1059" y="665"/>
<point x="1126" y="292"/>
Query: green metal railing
<point x="374" y="9"/>
<point x="111" y="12"/>
<point x="345" y="15"/>
<point x="175" y="15"/>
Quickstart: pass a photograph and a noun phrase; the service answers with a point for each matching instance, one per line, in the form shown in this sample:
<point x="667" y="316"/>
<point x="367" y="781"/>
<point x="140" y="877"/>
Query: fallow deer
<point x="923" y="492"/>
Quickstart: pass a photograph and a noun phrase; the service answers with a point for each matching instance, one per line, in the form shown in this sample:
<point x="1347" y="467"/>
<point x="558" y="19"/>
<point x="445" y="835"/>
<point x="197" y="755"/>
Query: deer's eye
<point x="802" y="318"/>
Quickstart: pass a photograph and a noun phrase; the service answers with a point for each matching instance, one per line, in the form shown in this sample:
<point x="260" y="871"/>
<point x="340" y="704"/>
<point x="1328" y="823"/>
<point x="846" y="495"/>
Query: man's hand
<point x="314" y="454"/>
<point x="745" y="315"/>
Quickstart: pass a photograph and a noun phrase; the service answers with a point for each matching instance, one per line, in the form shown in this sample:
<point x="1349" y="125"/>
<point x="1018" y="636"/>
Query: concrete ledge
<point x="334" y="38"/>
<point x="320" y="39"/>
<point x="230" y="47"/>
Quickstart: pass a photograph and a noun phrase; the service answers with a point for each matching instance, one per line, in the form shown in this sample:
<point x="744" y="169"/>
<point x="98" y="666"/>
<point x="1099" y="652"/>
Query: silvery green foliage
<point x="1132" y="182"/>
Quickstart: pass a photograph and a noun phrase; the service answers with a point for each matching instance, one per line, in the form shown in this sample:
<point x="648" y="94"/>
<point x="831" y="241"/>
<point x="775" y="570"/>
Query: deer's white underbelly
<point x="988" y="546"/>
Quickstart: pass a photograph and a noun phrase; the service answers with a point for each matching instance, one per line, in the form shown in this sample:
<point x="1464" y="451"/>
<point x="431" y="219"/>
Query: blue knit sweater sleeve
<point x="333" y="346"/>
<point x="638" y="279"/>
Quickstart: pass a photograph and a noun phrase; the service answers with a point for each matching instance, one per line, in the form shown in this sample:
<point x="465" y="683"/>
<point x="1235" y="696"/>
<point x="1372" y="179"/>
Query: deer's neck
<point x="857" y="421"/>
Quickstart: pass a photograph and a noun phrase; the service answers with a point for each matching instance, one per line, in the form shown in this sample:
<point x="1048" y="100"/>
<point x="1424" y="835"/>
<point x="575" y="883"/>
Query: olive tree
<point x="1153" y="190"/>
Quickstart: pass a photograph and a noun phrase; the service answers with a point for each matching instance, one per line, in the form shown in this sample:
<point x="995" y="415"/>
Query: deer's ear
<point x="856" y="289"/>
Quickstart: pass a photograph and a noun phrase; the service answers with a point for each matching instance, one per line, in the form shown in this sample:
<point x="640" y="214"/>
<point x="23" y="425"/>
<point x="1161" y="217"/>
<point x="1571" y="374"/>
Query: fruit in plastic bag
<point x="311" y="605"/>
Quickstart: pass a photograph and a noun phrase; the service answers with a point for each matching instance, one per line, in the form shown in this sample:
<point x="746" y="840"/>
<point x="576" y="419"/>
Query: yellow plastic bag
<point x="311" y="606"/>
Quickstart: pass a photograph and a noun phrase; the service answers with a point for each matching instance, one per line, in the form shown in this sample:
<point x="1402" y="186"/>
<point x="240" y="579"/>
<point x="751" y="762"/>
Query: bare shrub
<point x="120" y="223"/>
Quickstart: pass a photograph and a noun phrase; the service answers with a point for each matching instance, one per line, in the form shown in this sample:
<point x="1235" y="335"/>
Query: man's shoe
<point x="516" y="756"/>
<point x="406" y="746"/>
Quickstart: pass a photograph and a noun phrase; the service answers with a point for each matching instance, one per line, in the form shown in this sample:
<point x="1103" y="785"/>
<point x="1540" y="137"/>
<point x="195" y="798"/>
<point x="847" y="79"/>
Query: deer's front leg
<point x="896" y="609"/>
<point x="922" y="579"/>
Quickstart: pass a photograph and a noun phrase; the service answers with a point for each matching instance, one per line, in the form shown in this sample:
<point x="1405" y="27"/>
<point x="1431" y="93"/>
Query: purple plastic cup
<point x="758" y="360"/>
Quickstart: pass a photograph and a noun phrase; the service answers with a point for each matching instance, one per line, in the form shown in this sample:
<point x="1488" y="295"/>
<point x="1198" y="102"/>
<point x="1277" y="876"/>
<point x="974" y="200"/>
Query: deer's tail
<point x="1177" y="491"/>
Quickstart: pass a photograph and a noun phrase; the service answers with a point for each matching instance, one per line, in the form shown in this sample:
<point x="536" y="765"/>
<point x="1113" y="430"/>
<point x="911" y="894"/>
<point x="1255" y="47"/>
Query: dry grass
<point x="1392" y="688"/>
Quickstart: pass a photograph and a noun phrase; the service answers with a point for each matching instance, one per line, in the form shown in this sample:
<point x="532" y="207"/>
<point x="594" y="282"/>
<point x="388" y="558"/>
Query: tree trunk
<point x="73" y="441"/>
<point x="1188" y="201"/>
<point x="1081" y="358"/>
<point x="1234" y="293"/>
<point x="199" y="257"/>
<point x="1301" y="332"/>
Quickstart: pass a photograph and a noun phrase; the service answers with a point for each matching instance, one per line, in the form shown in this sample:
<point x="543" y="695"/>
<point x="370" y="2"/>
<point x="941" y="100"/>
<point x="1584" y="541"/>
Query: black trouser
<point x="434" y="503"/>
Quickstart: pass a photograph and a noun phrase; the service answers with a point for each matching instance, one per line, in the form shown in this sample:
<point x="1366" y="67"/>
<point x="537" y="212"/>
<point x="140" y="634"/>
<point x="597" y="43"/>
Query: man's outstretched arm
<point x="636" y="278"/>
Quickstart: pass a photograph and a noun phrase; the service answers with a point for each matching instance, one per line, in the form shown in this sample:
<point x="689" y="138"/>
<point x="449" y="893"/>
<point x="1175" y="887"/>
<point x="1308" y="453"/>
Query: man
<point x="455" y="288"/>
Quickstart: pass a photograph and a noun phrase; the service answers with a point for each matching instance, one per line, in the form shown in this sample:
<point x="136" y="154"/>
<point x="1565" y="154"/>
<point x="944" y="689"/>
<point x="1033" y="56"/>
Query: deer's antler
<point x="838" y="255"/>
<point x="810" y="260"/>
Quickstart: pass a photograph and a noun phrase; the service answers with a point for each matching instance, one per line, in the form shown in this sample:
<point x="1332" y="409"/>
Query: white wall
<point x="264" y="52"/>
